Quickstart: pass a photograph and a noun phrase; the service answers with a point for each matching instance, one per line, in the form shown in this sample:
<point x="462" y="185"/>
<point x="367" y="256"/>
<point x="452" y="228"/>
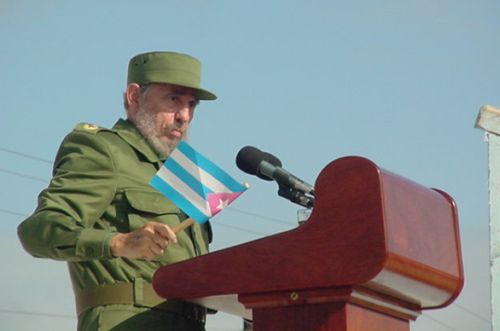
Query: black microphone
<point x="267" y="166"/>
<point x="249" y="159"/>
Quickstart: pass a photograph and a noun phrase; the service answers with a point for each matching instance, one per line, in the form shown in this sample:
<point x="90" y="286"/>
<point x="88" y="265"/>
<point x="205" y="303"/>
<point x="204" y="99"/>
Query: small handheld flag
<point x="195" y="184"/>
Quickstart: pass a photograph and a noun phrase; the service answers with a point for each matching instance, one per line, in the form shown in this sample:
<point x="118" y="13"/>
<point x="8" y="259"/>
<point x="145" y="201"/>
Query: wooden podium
<point x="376" y="250"/>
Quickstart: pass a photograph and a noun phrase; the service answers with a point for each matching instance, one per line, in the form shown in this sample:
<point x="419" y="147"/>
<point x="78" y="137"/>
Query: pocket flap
<point x="150" y="202"/>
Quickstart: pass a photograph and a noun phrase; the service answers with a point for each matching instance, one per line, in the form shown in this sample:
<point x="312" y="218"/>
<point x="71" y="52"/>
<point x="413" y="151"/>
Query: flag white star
<point x="222" y="204"/>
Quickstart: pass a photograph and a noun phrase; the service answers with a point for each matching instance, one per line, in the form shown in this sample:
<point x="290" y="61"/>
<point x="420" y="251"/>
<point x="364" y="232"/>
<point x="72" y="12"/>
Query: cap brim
<point x="205" y="95"/>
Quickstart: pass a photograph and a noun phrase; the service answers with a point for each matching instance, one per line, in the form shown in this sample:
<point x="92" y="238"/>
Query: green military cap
<point x="170" y="68"/>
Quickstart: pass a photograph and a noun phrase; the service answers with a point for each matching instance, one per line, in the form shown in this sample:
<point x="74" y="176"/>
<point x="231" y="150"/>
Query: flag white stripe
<point x="199" y="202"/>
<point x="201" y="175"/>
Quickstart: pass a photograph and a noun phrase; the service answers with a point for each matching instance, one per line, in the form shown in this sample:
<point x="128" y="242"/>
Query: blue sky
<point x="398" y="82"/>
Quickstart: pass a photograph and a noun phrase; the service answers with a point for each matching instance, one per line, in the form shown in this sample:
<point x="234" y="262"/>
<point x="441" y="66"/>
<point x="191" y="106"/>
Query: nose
<point x="184" y="114"/>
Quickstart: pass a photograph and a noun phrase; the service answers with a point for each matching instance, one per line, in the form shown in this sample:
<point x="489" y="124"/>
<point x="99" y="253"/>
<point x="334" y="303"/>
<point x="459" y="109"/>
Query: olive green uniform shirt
<point x="99" y="188"/>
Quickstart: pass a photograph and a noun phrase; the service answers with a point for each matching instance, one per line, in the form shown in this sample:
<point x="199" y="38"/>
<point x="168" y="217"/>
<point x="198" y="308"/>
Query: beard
<point x="151" y="130"/>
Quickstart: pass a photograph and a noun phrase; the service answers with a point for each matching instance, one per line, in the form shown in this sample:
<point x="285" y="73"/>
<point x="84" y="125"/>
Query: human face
<point x="163" y="115"/>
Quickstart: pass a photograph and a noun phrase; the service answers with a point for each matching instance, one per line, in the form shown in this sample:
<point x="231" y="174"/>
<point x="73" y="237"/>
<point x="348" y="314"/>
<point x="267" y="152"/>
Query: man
<point x="101" y="216"/>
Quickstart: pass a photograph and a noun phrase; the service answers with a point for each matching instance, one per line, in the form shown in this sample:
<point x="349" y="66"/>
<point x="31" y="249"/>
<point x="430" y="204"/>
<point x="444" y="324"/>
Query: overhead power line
<point x="6" y="211"/>
<point x="482" y="318"/>
<point x="52" y="315"/>
<point x="72" y="317"/>
<point x="28" y="156"/>
<point x="267" y="218"/>
<point x="435" y="320"/>
<point x="19" y="174"/>
<point x="242" y="229"/>
<point x="15" y="213"/>
<point x="34" y="313"/>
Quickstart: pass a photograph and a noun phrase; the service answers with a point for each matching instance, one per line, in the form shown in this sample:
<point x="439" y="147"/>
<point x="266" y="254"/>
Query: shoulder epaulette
<point x="87" y="127"/>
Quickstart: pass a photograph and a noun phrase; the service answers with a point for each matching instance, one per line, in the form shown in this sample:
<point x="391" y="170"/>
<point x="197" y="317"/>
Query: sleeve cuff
<point x="94" y="244"/>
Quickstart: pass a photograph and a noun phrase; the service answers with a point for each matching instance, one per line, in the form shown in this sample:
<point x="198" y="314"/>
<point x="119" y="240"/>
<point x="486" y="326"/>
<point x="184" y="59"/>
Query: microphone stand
<point x="296" y="196"/>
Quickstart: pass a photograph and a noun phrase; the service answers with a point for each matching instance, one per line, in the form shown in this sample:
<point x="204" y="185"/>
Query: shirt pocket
<point x="148" y="206"/>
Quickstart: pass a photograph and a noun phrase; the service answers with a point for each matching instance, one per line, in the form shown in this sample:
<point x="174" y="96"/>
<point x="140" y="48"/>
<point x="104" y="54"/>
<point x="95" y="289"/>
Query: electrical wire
<point x="63" y="316"/>
<point x="440" y="322"/>
<point x="233" y="227"/>
<point x="28" y="156"/>
<point x="267" y="218"/>
<point x="18" y="174"/>
<point x="261" y="234"/>
<point x="34" y="313"/>
<point x="482" y="318"/>
<point x="15" y="213"/>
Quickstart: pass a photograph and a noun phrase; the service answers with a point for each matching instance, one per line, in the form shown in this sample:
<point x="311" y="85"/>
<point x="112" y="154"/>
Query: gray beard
<point x="147" y="126"/>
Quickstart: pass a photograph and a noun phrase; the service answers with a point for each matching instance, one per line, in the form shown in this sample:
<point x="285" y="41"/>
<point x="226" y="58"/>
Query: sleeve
<point x="83" y="185"/>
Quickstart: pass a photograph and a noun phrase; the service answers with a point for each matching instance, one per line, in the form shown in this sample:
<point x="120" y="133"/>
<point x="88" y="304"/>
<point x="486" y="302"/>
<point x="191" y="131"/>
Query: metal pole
<point x="489" y="120"/>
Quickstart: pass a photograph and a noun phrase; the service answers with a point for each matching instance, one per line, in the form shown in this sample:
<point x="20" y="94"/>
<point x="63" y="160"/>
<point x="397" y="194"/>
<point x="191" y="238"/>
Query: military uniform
<point x="100" y="188"/>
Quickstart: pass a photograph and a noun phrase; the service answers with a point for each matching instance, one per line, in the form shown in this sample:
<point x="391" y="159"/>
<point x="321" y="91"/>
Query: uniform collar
<point x="127" y="131"/>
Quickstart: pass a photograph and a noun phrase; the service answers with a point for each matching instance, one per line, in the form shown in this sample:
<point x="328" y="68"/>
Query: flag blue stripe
<point x="187" y="178"/>
<point x="178" y="200"/>
<point x="210" y="167"/>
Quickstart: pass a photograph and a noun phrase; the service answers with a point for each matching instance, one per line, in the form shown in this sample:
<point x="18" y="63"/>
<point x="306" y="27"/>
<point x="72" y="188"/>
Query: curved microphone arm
<point x="296" y="196"/>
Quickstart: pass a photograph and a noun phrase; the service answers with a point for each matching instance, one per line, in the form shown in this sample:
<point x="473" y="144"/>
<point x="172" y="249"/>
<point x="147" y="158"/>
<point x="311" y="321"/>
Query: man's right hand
<point x="146" y="243"/>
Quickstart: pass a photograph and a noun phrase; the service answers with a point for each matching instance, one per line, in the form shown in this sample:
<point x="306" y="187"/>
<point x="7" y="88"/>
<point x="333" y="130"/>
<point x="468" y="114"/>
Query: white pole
<point x="489" y="120"/>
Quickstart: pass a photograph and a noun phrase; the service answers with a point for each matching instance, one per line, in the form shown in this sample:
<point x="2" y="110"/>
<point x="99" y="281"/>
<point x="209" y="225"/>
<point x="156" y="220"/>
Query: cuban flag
<point x="195" y="184"/>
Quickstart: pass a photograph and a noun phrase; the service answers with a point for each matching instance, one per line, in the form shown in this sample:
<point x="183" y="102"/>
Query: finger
<point x="165" y="231"/>
<point x="159" y="241"/>
<point x="151" y="250"/>
<point x="156" y="250"/>
<point x="172" y="237"/>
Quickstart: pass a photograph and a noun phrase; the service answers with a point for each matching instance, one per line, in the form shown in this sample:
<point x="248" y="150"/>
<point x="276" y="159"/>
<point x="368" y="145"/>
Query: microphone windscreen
<point x="249" y="159"/>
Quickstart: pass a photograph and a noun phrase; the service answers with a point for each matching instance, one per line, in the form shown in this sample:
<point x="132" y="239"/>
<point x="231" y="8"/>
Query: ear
<point x="133" y="94"/>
